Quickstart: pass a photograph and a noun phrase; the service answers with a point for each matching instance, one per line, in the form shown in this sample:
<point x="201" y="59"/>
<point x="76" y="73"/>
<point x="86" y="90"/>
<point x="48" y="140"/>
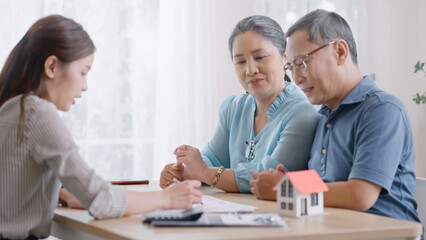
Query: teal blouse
<point x="286" y="138"/>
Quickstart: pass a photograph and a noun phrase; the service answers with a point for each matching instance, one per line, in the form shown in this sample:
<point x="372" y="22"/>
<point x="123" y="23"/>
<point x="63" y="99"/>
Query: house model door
<point x="303" y="205"/>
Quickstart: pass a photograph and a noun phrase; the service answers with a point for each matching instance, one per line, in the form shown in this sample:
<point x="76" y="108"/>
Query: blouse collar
<point x="279" y="100"/>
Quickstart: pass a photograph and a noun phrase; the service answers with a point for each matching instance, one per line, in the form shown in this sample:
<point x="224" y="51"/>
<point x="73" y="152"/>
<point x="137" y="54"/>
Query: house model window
<point x="300" y="193"/>
<point x="314" y="199"/>
<point x="284" y="189"/>
<point x="290" y="190"/>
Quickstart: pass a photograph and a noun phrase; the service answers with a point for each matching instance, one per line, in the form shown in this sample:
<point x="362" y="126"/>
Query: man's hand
<point x="263" y="182"/>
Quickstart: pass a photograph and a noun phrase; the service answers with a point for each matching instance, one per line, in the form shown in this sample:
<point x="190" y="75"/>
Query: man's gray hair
<point x="324" y="26"/>
<point x="264" y="26"/>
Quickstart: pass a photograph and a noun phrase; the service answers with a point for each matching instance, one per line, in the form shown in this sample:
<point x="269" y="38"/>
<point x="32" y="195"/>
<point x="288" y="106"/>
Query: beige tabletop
<point x="334" y="224"/>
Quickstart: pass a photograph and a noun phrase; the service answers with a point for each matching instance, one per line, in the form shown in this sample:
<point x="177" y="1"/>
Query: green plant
<point x="419" y="98"/>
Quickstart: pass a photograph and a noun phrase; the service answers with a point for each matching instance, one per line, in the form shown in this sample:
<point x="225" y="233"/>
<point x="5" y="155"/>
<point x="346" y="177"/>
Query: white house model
<point x="300" y="193"/>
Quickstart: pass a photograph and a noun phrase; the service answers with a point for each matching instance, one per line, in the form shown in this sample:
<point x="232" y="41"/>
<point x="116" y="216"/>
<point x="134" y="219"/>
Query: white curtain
<point x="185" y="87"/>
<point x="114" y="122"/>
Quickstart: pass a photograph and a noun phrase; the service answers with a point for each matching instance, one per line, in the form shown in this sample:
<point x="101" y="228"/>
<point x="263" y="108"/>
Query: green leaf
<point x="419" y="98"/>
<point x="419" y="66"/>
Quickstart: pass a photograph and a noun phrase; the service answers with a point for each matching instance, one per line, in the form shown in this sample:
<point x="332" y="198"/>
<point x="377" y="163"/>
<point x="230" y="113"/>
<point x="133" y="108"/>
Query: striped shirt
<point x="31" y="172"/>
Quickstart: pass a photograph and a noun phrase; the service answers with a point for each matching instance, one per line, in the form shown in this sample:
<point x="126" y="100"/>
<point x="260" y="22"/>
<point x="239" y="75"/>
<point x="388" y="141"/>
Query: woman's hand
<point x="177" y="195"/>
<point x="67" y="199"/>
<point x="170" y="172"/>
<point x="263" y="182"/>
<point x="191" y="157"/>
<point x="182" y="195"/>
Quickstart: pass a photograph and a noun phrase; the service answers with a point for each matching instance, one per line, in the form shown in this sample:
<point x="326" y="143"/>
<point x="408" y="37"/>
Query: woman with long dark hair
<point x="44" y="73"/>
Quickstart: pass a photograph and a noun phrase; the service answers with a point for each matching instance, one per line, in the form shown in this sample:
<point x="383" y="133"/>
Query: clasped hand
<point x="189" y="165"/>
<point x="264" y="181"/>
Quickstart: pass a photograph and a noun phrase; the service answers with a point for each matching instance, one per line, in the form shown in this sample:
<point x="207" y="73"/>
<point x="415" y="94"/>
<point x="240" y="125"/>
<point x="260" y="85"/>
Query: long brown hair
<point x="23" y="72"/>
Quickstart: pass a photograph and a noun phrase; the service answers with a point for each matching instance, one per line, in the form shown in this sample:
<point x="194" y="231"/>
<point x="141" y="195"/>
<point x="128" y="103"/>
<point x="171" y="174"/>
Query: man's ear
<point x="51" y="66"/>
<point x="342" y="51"/>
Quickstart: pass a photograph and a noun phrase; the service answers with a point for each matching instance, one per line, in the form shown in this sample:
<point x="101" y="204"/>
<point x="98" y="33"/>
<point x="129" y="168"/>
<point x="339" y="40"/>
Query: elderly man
<point x="363" y="147"/>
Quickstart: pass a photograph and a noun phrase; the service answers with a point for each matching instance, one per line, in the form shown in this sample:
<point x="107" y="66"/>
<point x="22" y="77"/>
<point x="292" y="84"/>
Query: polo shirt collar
<point x="358" y="94"/>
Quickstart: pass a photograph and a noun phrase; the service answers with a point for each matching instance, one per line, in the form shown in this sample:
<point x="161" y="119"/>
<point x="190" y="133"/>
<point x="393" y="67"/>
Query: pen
<point x="176" y="180"/>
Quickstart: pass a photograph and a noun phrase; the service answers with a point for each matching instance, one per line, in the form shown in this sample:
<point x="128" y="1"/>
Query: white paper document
<point x="215" y="205"/>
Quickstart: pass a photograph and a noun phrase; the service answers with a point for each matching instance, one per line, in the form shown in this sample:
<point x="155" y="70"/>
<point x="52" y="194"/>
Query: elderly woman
<point x="272" y="123"/>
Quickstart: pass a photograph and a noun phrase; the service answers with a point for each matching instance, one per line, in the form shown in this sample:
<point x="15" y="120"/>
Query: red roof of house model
<point x="306" y="181"/>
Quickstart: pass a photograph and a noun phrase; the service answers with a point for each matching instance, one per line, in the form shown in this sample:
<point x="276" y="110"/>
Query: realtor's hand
<point x="264" y="181"/>
<point x="183" y="194"/>
<point x="67" y="199"/>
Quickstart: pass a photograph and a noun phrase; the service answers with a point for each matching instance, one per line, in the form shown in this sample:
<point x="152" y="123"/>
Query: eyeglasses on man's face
<point x="299" y="63"/>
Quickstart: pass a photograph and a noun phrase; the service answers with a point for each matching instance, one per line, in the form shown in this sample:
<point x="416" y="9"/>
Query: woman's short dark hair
<point x="23" y="71"/>
<point x="262" y="25"/>
<point x="265" y="27"/>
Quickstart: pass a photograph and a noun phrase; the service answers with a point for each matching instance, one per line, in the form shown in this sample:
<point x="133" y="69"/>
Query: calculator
<point x="190" y="214"/>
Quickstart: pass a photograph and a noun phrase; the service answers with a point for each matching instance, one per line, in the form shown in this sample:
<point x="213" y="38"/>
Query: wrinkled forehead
<point x="298" y="44"/>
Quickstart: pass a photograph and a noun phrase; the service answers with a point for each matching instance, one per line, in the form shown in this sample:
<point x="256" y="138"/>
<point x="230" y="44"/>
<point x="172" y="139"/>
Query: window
<point x="283" y="205"/>
<point x="284" y="188"/>
<point x="290" y="189"/>
<point x="290" y="206"/>
<point x="113" y="124"/>
<point x="314" y="199"/>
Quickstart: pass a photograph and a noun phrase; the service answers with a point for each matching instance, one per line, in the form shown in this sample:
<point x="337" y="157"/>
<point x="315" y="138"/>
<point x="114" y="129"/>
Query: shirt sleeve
<point x="292" y="149"/>
<point x="53" y="145"/>
<point x="216" y="152"/>
<point x="294" y="146"/>
<point x="379" y="144"/>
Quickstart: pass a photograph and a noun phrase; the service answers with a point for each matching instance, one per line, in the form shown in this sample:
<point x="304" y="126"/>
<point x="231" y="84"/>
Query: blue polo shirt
<point x="368" y="136"/>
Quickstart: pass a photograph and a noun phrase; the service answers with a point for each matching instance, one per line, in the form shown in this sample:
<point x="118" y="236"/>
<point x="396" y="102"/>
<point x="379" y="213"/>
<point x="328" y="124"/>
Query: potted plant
<point x="419" y="98"/>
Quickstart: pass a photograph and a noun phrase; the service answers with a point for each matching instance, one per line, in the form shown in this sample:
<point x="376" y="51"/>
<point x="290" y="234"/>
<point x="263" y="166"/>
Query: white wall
<point x="393" y="42"/>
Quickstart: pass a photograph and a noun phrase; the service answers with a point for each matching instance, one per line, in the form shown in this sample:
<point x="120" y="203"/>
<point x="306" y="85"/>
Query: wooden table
<point x="334" y="224"/>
